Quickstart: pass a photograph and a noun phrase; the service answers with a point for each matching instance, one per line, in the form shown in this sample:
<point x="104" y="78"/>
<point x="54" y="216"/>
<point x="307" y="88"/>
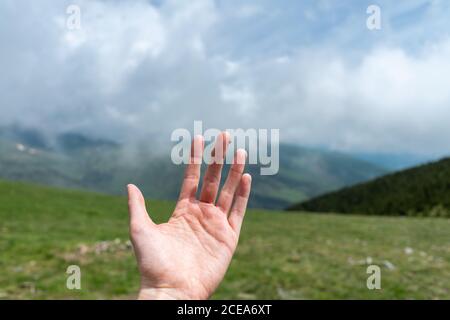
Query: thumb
<point x="136" y="207"/>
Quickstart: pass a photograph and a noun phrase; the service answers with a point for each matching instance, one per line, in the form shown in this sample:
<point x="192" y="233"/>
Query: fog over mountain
<point x="76" y="161"/>
<point x="135" y="72"/>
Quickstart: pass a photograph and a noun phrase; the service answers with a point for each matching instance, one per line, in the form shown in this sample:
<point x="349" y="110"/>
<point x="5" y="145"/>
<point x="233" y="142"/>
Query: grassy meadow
<point x="280" y="256"/>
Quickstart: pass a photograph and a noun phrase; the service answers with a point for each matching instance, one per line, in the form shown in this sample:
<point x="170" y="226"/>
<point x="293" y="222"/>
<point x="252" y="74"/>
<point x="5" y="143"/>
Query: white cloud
<point x="249" y="10"/>
<point x="242" y="99"/>
<point x="136" y="69"/>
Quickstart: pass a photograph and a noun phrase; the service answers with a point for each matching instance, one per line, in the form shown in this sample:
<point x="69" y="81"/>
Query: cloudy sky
<point x="313" y="69"/>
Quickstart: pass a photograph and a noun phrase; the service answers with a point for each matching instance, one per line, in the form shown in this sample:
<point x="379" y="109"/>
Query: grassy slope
<point x="283" y="255"/>
<point x="423" y="190"/>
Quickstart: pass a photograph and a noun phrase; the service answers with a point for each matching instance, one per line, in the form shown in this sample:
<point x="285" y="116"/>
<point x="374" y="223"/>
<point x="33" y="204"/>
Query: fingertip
<point x="198" y="142"/>
<point x="197" y="149"/>
<point x="133" y="189"/>
<point x="242" y="151"/>
<point x="134" y="193"/>
<point x="136" y="205"/>
<point x="245" y="185"/>
<point x="198" y="137"/>
<point x="247" y="178"/>
<point x="241" y="155"/>
<point x="130" y="188"/>
<point x="227" y="136"/>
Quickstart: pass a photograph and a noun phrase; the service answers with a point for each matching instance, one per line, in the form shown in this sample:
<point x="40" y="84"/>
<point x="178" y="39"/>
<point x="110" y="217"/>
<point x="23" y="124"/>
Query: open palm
<point x="187" y="257"/>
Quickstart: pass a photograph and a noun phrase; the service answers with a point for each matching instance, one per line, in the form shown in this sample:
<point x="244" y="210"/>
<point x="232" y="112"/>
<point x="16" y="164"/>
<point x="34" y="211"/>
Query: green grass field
<point x="280" y="255"/>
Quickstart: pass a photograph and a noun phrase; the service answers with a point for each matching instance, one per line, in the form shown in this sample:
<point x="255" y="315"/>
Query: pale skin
<point x="188" y="256"/>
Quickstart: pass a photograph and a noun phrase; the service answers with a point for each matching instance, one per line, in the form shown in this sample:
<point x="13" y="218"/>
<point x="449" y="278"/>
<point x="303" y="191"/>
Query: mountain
<point x="76" y="161"/>
<point x="395" y="161"/>
<point x="423" y="190"/>
<point x="305" y="173"/>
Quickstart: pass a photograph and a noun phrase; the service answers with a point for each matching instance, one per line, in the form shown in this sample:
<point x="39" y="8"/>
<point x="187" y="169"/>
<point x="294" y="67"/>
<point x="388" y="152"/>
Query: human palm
<point x="187" y="257"/>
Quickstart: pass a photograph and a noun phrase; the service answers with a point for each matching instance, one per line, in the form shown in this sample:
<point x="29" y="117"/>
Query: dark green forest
<point x="419" y="191"/>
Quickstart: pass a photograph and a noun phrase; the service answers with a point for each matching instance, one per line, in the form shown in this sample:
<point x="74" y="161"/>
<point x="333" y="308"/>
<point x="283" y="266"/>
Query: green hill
<point x="76" y="161"/>
<point x="280" y="256"/>
<point x="423" y="190"/>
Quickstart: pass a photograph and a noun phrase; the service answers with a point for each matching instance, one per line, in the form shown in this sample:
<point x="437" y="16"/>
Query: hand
<point x="187" y="257"/>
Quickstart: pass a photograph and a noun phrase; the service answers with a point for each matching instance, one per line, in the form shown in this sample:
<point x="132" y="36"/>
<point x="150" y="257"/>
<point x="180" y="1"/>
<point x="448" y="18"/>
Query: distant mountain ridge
<point x="395" y="161"/>
<point x="423" y="190"/>
<point x="76" y="161"/>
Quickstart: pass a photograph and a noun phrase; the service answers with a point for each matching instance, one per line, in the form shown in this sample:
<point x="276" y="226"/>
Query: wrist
<point x="160" y="294"/>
